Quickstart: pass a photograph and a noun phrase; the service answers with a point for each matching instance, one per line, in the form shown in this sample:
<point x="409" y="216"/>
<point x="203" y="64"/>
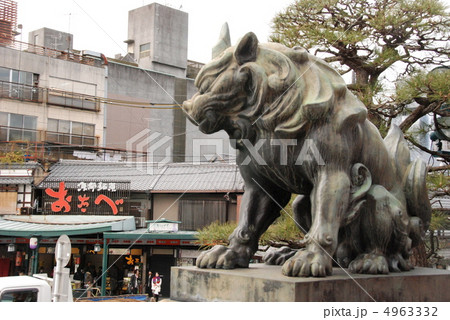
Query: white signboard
<point x="119" y="251"/>
<point x="163" y="227"/>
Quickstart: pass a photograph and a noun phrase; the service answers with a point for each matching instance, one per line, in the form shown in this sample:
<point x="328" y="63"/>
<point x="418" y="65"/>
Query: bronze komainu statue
<point x="297" y="129"/>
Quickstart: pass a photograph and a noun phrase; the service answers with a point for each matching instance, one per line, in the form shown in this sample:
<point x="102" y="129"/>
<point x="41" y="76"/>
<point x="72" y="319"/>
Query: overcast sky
<point x="101" y="25"/>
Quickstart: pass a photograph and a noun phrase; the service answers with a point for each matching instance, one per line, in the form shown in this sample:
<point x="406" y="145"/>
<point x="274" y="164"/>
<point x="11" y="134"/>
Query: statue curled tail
<point x="413" y="176"/>
<point x="392" y="221"/>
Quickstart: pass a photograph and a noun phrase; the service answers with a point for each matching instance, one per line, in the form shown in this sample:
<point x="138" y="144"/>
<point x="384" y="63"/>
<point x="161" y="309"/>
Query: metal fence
<point x="22" y="92"/>
<point x="73" y="100"/>
<point x="61" y="98"/>
<point x="72" y="55"/>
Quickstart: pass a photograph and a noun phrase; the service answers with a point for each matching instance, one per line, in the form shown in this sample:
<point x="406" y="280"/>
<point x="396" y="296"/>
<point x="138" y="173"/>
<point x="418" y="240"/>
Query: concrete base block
<point x="264" y="283"/>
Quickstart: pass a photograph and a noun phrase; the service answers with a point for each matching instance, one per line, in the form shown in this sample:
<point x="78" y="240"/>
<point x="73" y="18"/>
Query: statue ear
<point x="247" y="49"/>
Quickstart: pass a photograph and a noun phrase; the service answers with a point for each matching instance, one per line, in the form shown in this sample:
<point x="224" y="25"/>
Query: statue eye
<point x="204" y="87"/>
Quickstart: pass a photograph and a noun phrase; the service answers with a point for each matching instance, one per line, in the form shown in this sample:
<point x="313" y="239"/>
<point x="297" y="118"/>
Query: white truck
<point x="40" y="288"/>
<point x="25" y="289"/>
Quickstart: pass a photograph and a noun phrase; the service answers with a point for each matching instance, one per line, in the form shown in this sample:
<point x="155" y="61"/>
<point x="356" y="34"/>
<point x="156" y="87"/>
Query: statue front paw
<point x="307" y="263"/>
<point x="279" y="256"/>
<point x="221" y="257"/>
<point x="369" y="263"/>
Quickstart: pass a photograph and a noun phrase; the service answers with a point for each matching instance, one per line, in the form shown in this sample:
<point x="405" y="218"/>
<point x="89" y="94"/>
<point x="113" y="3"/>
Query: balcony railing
<point x="19" y="134"/>
<point x="13" y="134"/>
<point x="62" y="98"/>
<point x="193" y="68"/>
<point x="73" y="100"/>
<point x="20" y="91"/>
<point x="72" y="55"/>
<point x="70" y="138"/>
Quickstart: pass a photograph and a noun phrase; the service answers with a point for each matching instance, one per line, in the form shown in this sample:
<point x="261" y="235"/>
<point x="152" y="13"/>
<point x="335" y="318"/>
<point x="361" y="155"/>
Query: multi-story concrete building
<point x="81" y="100"/>
<point x="50" y="97"/>
<point x="155" y="73"/>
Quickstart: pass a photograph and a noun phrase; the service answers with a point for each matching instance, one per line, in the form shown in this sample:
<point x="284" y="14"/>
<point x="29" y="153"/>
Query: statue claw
<point x="220" y="257"/>
<point x="306" y="263"/>
<point x="369" y="263"/>
<point x="279" y="256"/>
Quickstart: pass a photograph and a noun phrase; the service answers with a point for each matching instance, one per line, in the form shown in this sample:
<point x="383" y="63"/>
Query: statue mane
<point x="290" y="88"/>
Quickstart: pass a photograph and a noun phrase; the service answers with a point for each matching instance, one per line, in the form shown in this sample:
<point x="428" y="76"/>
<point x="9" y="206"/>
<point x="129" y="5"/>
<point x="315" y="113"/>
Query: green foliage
<point x="377" y="32"/>
<point x="438" y="181"/>
<point x="439" y="221"/>
<point x="12" y="157"/>
<point x="434" y="86"/>
<point x="374" y="39"/>
<point x="284" y="230"/>
<point x="216" y="233"/>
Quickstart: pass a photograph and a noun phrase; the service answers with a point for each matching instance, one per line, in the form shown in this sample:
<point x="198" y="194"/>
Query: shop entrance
<point x="162" y="264"/>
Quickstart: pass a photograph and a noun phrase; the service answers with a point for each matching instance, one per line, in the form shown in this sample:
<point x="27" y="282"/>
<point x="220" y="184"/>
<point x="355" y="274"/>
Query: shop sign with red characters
<point x="87" y="197"/>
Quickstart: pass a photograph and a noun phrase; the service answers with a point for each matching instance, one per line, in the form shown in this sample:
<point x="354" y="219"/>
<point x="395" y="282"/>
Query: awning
<point x="48" y="226"/>
<point x="143" y="234"/>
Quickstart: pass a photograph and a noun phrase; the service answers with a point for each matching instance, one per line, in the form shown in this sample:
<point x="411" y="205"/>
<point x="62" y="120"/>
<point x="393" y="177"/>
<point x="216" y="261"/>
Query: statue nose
<point x="187" y="106"/>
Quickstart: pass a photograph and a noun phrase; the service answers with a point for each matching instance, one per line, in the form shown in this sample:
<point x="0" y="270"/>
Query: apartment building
<point x="61" y="103"/>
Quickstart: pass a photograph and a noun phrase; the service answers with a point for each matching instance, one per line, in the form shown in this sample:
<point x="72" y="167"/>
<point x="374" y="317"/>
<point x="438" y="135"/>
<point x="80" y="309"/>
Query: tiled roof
<point x="20" y="166"/>
<point x="78" y="170"/>
<point x="174" y="177"/>
<point x="9" y="175"/>
<point x="16" y="180"/>
<point x="210" y="177"/>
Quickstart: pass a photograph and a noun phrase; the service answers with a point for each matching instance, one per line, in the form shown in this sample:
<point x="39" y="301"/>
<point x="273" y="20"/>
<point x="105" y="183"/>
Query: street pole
<point x="104" y="266"/>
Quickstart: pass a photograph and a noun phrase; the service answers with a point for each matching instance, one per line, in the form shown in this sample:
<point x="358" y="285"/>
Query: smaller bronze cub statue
<point x="361" y="200"/>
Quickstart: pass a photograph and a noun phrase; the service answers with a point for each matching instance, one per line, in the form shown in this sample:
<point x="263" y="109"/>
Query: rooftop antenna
<point x="70" y="15"/>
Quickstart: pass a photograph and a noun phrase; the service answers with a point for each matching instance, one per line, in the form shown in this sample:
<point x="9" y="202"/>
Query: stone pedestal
<point x="263" y="283"/>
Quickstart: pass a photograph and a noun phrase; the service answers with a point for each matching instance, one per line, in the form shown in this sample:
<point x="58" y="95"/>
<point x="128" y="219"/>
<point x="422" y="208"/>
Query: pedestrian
<point x="79" y="276"/>
<point x="88" y="279"/>
<point x="149" y="284"/>
<point x="156" y="286"/>
<point x="134" y="282"/>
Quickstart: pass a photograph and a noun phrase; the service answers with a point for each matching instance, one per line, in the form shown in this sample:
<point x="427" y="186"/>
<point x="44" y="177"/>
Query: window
<point x="144" y="50"/>
<point x="17" y="84"/>
<point x="196" y="214"/>
<point x="3" y="126"/>
<point x="70" y="132"/>
<point x="25" y="295"/>
<point x="17" y="127"/>
<point x="5" y="74"/>
<point x="16" y="76"/>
